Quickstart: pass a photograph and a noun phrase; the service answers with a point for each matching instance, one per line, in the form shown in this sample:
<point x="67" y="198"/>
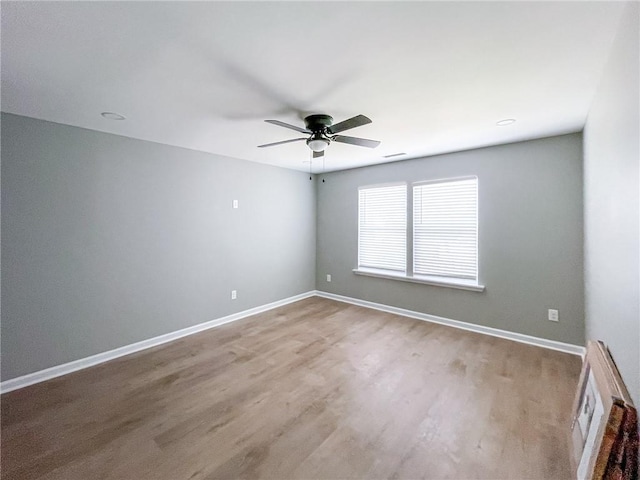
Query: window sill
<point x="458" y="283"/>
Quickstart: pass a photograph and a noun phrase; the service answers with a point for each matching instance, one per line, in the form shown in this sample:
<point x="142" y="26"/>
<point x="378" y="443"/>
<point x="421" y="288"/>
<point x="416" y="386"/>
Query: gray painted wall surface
<point x="612" y="205"/>
<point x="108" y="240"/>
<point x="530" y="237"/>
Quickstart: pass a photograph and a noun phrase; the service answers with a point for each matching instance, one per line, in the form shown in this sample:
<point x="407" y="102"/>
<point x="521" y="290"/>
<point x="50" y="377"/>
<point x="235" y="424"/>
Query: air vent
<point x="394" y="155"/>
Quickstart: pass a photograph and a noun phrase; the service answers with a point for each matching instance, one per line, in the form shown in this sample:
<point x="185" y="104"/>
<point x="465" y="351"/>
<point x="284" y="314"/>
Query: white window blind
<point x="382" y="227"/>
<point x="445" y="229"/>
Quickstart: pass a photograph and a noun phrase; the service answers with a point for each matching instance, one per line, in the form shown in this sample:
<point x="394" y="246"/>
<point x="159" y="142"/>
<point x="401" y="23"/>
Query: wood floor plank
<point x="316" y="389"/>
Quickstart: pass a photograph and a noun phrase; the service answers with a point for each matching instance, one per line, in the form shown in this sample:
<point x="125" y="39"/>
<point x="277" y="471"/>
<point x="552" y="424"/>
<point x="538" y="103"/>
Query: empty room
<point x="320" y="240"/>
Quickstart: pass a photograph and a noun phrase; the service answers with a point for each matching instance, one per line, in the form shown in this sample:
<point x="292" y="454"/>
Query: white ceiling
<point x="434" y="77"/>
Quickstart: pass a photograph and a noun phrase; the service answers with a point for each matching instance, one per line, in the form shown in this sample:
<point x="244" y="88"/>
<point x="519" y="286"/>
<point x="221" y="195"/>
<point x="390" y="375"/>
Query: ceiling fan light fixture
<point x="318" y="144"/>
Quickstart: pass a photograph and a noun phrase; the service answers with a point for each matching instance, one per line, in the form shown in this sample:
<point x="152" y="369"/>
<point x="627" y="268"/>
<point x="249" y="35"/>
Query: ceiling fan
<point x="322" y="132"/>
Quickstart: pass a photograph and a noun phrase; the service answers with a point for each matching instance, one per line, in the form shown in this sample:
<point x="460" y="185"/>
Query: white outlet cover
<point x="234" y="294"/>
<point x="235" y="204"/>
<point x="553" y="315"/>
<point x="328" y="278"/>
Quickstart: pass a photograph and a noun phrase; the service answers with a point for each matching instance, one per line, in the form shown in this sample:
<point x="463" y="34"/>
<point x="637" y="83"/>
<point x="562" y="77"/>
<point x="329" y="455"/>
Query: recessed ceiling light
<point x="505" y="122"/>
<point x="112" y="116"/>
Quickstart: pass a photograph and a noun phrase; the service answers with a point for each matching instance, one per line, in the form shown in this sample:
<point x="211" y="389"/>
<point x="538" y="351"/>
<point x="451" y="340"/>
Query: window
<point x="445" y="229"/>
<point x="442" y="248"/>
<point x="382" y="227"/>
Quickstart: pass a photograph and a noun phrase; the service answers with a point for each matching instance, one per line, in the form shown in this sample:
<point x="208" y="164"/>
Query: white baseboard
<point x="59" y="370"/>
<point x="494" y="332"/>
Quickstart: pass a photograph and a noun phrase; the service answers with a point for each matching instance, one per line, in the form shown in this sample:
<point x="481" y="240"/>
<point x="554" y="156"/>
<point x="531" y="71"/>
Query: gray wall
<point x="612" y="235"/>
<point x="108" y="240"/>
<point x="530" y="237"/>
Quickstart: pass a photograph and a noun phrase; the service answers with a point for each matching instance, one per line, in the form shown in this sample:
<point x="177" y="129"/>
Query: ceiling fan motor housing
<point x="318" y="123"/>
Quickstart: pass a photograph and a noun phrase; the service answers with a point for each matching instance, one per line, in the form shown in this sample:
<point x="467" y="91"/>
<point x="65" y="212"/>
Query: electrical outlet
<point x="234" y="294"/>
<point x="328" y="278"/>
<point x="235" y="204"/>
<point x="552" y="315"/>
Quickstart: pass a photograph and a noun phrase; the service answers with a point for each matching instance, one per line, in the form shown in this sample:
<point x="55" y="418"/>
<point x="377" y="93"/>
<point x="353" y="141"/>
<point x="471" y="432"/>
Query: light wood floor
<point x="315" y="389"/>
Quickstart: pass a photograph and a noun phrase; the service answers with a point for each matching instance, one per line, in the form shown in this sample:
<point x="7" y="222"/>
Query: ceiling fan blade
<point x="286" y="125"/>
<point x="361" y="142"/>
<point x="318" y="154"/>
<point x="280" y="143"/>
<point x="353" y="122"/>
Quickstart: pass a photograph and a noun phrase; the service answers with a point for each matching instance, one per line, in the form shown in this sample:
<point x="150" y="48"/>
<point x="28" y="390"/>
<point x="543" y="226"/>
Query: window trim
<point x="458" y="283"/>
<point x="408" y="275"/>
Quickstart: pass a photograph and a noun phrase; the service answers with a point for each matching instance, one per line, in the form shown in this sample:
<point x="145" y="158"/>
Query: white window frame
<point x="408" y="275"/>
